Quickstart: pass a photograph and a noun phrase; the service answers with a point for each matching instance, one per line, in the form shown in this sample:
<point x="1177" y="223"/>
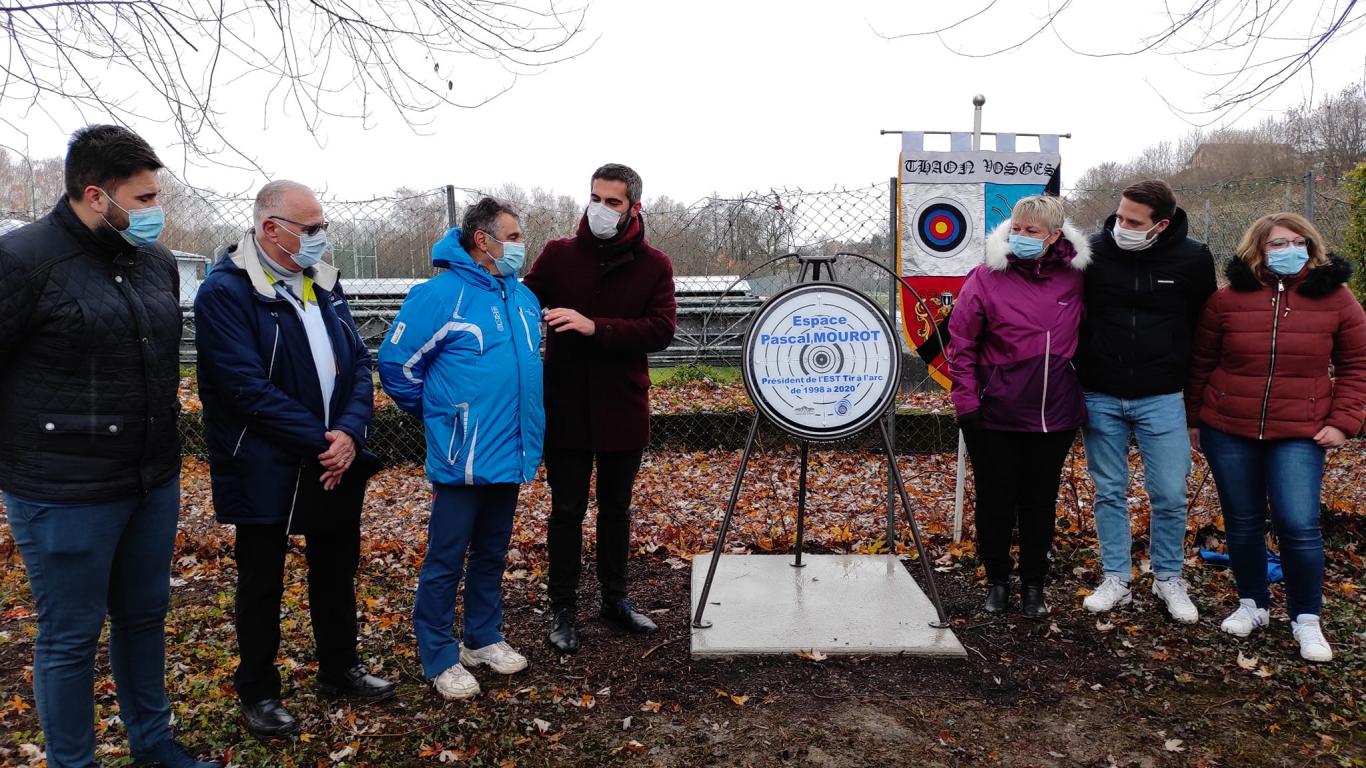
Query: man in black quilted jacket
<point x="89" y="454"/>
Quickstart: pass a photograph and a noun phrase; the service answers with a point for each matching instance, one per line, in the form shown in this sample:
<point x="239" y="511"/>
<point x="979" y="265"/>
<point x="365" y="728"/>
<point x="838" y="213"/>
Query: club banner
<point x="948" y="203"/>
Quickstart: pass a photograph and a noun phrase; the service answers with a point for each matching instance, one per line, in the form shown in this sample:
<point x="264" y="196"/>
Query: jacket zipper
<point x="294" y="501"/>
<point x="521" y="385"/>
<point x="1271" y="368"/>
<point x="1133" y="324"/>
<point x="270" y="371"/>
<point x="123" y="274"/>
<point x="1047" y="363"/>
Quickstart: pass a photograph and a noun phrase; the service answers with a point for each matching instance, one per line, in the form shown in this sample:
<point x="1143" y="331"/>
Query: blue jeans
<point x="83" y="561"/>
<point x="476" y="519"/>
<point x="1159" y="423"/>
<point x="1287" y="475"/>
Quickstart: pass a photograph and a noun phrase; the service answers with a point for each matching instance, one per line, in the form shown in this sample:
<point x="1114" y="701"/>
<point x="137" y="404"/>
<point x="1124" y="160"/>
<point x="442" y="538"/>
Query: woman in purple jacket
<point x="1012" y="333"/>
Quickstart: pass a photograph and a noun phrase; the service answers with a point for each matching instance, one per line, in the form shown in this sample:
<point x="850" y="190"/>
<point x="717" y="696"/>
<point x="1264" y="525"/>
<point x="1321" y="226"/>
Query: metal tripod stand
<point x="811" y="272"/>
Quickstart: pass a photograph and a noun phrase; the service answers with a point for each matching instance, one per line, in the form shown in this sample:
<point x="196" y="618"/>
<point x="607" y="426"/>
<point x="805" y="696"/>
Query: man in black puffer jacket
<point x="89" y="453"/>
<point x="1146" y="285"/>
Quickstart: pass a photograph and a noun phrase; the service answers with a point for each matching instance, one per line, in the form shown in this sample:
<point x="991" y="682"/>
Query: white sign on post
<point x="822" y="361"/>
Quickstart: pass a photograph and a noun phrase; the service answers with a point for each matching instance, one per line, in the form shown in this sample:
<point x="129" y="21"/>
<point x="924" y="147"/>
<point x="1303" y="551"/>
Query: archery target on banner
<point x="942" y="230"/>
<point x="942" y="225"/>
<point x="821" y="361"/>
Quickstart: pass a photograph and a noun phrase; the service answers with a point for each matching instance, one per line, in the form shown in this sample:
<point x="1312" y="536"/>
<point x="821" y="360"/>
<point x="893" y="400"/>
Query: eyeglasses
<point x="1281" y="242"/>
<point x="307" y="229"/>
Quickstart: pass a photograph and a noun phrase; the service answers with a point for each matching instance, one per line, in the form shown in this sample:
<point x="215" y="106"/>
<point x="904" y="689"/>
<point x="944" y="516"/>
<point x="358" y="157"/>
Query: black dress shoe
<point x="564" y="633"/>
<point x="1032" y="602"/>
<point x="268" y="719"/>
<point x="356" y="684"/>
<point x="623" y="616"/>
<point x="998" y="597"/>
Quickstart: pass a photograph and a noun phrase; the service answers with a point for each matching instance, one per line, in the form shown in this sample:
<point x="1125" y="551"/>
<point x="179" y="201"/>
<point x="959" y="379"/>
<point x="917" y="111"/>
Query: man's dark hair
<point x="483" y="215"/>
<point x="1156" y="194"/>
<point x="619" y="172"/>
<point x="105" y="156"/>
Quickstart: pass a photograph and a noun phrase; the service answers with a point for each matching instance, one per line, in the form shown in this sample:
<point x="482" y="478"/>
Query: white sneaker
<point x="1313" y="646"/>
<point x="456" y="683"/>
<point x="1248" y="617"/>
<point x="1179" y="605"/>
<point x="499" y="657"/>
<point x="1111" y="592"/>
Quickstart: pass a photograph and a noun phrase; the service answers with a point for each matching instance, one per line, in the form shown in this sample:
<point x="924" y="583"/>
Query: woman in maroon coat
<point x="1278" y="376"/>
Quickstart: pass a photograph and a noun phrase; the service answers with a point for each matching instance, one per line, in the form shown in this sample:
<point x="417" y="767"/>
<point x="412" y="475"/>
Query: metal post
<point x="892" y="303"/>
<point x="961" y="474"/>
<point x="961" y="477"/>
<point x="1309" y="195"/>
<point x="915" y="529"/>
<point x="451" y="222"/>
<point x="1209" y="218"/>
<point x="725" y="525"/>
<point x="801" y="505"/>
<point x="977" y="102"/>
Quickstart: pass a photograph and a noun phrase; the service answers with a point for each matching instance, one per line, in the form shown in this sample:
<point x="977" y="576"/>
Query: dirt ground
<point x="1131" y="689"/>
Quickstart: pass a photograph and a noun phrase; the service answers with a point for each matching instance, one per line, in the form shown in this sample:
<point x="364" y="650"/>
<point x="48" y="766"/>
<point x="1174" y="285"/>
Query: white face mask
<point x="603" y="221"/>
<point x="1133" y="239"/>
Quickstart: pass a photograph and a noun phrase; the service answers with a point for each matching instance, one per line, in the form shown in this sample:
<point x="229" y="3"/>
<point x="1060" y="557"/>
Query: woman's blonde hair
<point x="1044" y="209"/>
<point x="1252" y="248"/>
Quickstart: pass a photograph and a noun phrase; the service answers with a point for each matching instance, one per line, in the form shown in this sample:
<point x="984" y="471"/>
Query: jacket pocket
<point x="991" y="380"/>
<point x="83" y="424"/>
<point x="459" y="427"/>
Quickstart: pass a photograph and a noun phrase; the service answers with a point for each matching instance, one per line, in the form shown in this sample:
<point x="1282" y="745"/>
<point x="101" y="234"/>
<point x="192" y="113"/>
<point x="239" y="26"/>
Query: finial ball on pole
<point x="979" y="100"/>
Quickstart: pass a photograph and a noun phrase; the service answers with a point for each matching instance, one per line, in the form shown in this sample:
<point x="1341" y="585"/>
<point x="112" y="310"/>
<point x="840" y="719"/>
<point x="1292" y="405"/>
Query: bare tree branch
<point x="172" y="60"/>
<point x="1257" y="32"/>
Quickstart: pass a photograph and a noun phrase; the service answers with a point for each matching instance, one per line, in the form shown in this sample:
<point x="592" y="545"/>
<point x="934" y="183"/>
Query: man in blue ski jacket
<point x="464" y="355"/>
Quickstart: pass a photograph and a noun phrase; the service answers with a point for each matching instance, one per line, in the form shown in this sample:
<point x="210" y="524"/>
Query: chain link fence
<point x="729" y="255"/>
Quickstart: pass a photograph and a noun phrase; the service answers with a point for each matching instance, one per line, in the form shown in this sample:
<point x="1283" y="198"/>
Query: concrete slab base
<point x="850" y="604"/>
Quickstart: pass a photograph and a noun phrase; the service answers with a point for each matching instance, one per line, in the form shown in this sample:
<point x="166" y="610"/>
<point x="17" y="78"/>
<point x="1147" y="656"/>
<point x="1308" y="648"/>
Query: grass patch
<point x="687" y="374"/>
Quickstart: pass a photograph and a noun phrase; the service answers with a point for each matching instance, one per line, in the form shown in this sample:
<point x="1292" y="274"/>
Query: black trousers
<point x="569" y="473"/>
<point x="332" y="549"/>
<point x="1017" y="476"/>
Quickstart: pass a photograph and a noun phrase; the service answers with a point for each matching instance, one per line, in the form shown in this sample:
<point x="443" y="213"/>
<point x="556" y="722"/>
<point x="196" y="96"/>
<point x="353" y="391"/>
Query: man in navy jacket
<point x="285" y="383"/>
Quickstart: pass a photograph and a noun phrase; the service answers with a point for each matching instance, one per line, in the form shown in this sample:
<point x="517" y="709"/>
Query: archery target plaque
<point x="821" y="361"/>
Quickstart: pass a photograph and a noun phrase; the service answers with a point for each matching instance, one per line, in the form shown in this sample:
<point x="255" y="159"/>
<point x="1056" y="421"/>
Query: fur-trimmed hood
<point x="998" y="246"/>
<point x="1315" y="283"/>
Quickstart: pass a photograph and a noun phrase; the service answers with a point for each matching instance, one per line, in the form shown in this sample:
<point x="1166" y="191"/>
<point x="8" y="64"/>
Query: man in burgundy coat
<point x="608" y="300"/>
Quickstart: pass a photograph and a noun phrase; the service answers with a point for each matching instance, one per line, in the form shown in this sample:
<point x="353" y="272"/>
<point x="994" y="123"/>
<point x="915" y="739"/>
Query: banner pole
<point x="893" y="301"/>
<point x="960" y="480"/>
<point x="977" y="102"/>
<point x="961" y="476"/>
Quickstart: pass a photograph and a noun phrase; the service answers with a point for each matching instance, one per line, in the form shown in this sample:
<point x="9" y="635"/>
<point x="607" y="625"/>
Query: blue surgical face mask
<point x="144" y="224"/>
<point x="1287" y="261"/>
<point x="312" y="248"/>
<point x="1025" y="247"/>
<point x="514" y="255"/>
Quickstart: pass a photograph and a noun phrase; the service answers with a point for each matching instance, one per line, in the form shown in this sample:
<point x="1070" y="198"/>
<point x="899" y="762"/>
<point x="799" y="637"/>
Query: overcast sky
<point x="734" y="95"/>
